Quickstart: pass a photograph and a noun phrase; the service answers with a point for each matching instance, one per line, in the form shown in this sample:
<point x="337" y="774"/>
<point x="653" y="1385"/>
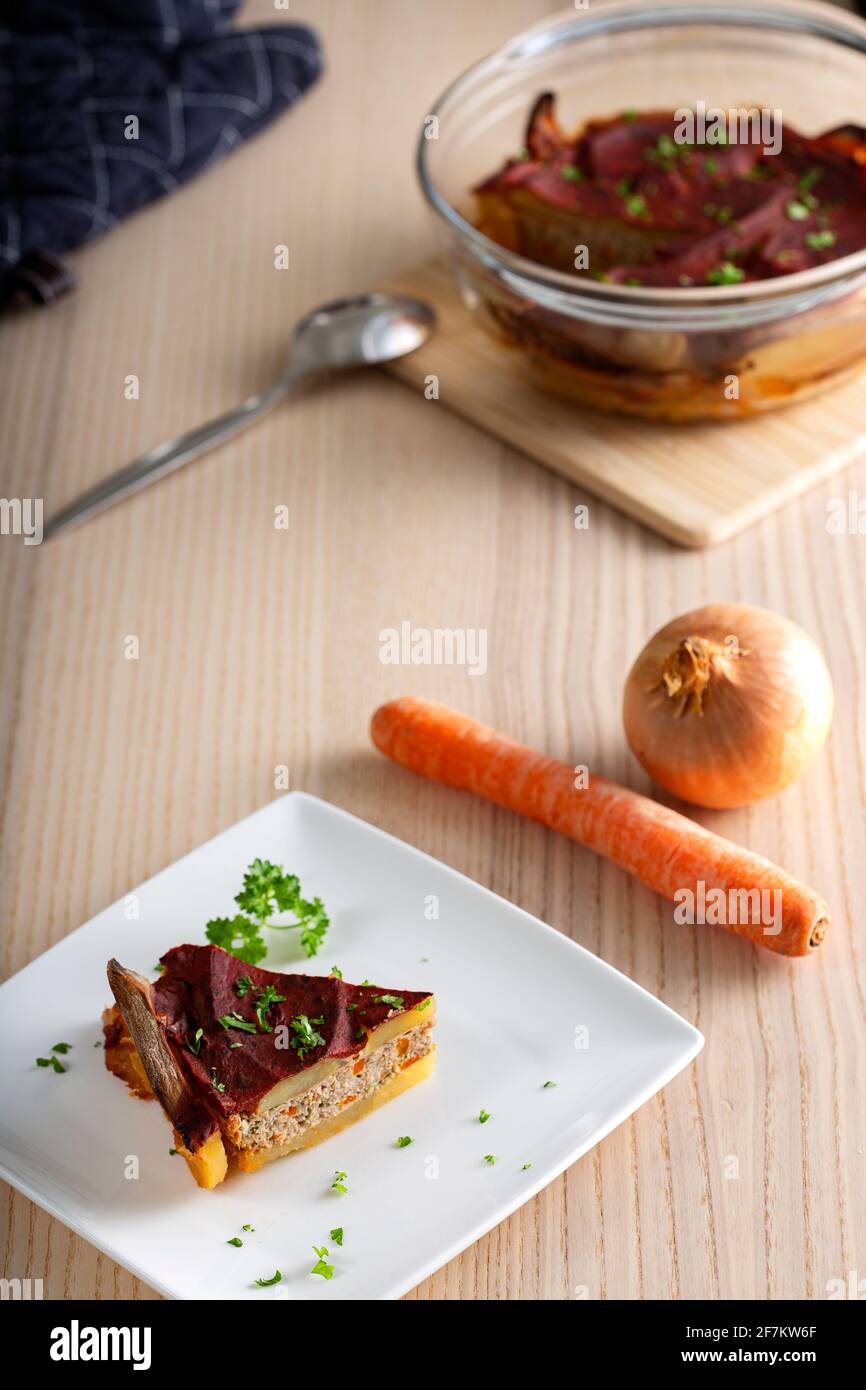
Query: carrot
<point x="664" y="850"/>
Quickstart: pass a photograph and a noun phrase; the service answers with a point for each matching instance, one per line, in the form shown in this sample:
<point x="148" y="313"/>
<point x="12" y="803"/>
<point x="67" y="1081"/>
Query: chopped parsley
<point x="630" y="114"/>
<point x="425" y="1004"/>
<point x="266" y="1283"/>
<point x="798" y="212"/>
<point x="806" y="182"/>
<point x="195" y="1045"/>
<point x="236" y="1242"/>
<point x="62" y="1048"/>
<point x="725" y="274"/>
<point x="490" y="1158"/>
<point x="359" y="1034"/>
<point x="159" y="968"/>
<point x="172" y="1153"/>
<point x="547" y="1085"/>
<point x="337" y="1235"/>
<point x="635" y="204"/>
<point x="350" y="1008"/>
<point x="404" y="1141"/>
<point x="664" y="152"/>
<point x="339" y="1183"/>
<point x="336" y="972"/>
<point x="321" y="1266"/>
<point x="235" y="1020"/>
<point x="243" y="985"/>
<point x="305" y="1033"/>
<point x="394" y="1001"/>
<point x="50" y="1062"/>
<point x="525" y="1166"/>
<point x="711" y="165"/>
<point x="571" y="173"/>
<point x="483" y="1116"/>
<point x="265" y="997"/>
<point x="217" y="1085"/>
<point x="248" y="1227"/>
<point x="819" y="241"/>
<point x="268" y="889"/>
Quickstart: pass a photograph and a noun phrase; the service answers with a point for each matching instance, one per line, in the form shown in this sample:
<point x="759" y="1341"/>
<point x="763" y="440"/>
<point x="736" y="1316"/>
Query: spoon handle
<point x="162" y="460"/>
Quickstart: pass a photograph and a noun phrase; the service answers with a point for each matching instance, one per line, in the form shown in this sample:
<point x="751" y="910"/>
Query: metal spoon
<point x="356" y="332"/>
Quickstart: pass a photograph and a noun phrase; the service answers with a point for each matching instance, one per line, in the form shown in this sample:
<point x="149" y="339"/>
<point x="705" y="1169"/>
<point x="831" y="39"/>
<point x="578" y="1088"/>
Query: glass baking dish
<point x="720" y="352"/>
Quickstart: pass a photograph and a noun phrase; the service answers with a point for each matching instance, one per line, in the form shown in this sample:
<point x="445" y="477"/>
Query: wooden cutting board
<point x="696" y="484"/>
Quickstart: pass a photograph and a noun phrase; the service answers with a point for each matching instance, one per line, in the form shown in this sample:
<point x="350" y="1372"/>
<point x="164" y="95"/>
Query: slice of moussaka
<point x="249" y="1065"/>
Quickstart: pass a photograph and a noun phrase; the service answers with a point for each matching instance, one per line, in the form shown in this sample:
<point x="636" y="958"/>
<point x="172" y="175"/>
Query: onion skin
<point x="727" y="704"/>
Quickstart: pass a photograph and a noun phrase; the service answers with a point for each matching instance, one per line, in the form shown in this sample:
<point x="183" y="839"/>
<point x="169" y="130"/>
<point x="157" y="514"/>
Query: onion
<point x="727" y="704"/>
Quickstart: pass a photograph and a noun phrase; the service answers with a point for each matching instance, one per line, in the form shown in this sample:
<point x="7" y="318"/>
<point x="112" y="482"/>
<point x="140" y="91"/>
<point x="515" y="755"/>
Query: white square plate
<point x="518" y="1003"/>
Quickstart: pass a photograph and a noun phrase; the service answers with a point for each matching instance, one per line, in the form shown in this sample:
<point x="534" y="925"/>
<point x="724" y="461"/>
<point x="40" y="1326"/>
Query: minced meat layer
<point x="351" y="1082"/>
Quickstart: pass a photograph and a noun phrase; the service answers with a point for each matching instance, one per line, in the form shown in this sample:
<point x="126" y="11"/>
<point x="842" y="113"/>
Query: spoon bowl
<point x="360" y="331"/>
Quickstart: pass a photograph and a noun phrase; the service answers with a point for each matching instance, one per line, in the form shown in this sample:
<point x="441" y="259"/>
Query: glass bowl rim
<point x="758" y="301"/>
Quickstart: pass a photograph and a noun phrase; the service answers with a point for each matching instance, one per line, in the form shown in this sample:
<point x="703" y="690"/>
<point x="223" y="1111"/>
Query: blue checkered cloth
<point x="106" y="105"/>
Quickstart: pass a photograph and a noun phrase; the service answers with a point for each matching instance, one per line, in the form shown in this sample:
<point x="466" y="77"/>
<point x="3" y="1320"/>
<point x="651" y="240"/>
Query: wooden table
<point x="259" y="647"/>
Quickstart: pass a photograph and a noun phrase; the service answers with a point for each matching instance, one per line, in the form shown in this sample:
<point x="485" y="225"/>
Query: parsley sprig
<point x="268" y="889"/>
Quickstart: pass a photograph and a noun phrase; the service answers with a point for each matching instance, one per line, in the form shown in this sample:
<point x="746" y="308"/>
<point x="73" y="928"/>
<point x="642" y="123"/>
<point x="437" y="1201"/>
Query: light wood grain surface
<point x="259" y="647"/>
